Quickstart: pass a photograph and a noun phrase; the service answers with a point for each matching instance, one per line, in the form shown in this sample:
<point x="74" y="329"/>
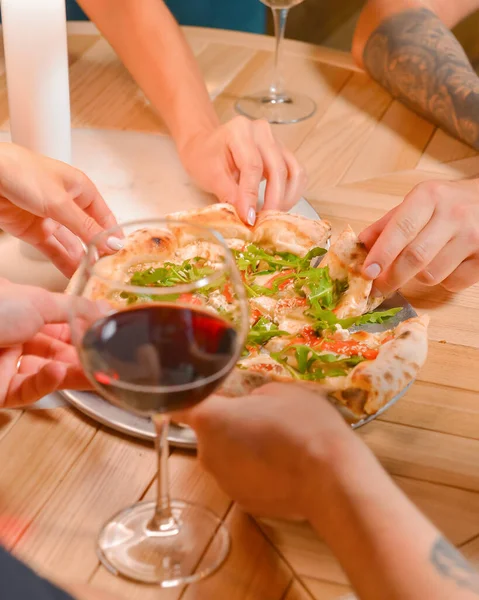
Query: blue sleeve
<point x="243" y="15"/>
<point x="18" y="582"/>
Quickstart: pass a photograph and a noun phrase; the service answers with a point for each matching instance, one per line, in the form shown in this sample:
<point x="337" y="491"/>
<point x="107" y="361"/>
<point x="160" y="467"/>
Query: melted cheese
<point x="265" y="304"/>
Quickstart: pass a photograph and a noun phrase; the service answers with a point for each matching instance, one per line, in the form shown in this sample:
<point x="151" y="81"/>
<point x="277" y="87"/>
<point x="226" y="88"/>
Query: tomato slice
<point x="255" y="315"/>
<point x="228" y="293"/>
<point x="349" y="348"/>
<point x="284" y="283"/>
<point x="307" y="336"/>
<point x="190" y="299"/>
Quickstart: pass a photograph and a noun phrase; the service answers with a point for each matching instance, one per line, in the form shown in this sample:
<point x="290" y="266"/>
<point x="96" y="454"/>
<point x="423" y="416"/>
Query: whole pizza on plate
<point x="306" y="304"/>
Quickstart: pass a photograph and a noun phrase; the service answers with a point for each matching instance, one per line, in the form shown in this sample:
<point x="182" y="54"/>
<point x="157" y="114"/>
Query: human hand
<point x="48" y="203"/>
<point x="432" y="235"/>
<point x="34" y="331"/>
<point x="231" y="160"/>
<point x="271" y="449"/>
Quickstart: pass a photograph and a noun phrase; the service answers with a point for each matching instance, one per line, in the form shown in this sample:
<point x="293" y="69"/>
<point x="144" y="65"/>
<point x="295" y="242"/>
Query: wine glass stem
<point x="280" y="16"/>
<point x="163" y="522"/>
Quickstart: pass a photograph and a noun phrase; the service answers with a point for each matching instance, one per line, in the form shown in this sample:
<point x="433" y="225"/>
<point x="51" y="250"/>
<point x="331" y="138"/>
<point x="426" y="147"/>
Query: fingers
<point x="44" y="378"/>
<point x="248" y="161"/>
<point x="465" y="275"/>
<point x="417" y="255"/>
<point x="87" y="215"/>
<point x="50" y="348"/>
<point x="403" y="227"/>
<point x="63" y="248"/>
<point x="369" y="236"/>
<point x="92" y="203"/>
<point x="274" y="166"/>
<point x="58" y="308"/>
<point x="74" y="379"/>
<point x="297" y="180"/>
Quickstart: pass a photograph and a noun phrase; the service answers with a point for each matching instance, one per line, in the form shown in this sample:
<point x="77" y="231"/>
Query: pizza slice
<point x="344" y="261"/>
<point x="361" y="371"/>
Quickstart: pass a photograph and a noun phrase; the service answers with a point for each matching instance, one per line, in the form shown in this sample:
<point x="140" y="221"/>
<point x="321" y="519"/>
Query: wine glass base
<point x="127" y="548"/>
<point x="281" y="109"/>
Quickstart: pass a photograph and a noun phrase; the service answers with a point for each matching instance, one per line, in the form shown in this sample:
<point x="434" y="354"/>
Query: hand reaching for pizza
<point x="432" y="235"/>
<point x="258" y="447"/>
<point x="231" y="160"/>
<point x="48" y="204"/>
<point x="34" y="331"/>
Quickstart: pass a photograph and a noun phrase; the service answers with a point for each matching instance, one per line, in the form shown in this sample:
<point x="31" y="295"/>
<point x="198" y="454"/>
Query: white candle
<point x="36" y="58"/>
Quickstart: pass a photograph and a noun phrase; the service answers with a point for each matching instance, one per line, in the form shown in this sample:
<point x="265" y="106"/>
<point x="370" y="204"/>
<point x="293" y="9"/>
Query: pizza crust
<point x="373" y="383"/>
<point x="283" y="232"/>
<point x="345" y="259"/>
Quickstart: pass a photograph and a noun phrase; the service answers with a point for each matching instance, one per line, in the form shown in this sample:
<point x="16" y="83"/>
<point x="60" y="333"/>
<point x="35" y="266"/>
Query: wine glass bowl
<point x="175" y="324"/>
<point x="277" y="105"/>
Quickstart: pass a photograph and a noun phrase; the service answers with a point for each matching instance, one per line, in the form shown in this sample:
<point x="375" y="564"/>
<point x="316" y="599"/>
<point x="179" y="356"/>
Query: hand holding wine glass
<point x="175" y="331"/>
<point x="277" y="105"/>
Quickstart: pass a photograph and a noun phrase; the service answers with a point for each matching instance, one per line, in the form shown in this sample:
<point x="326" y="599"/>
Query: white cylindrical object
<point x="36" y="59"/>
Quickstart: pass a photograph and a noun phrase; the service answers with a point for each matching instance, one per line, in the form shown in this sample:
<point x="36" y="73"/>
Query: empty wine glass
<point x="277" y="105"/>
<point x="176" y="328"/>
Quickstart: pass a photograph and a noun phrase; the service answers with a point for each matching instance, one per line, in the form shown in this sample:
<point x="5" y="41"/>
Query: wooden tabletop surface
<point x="62" y="476"/>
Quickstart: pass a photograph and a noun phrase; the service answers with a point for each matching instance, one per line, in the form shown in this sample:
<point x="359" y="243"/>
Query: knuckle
<point x="433" y="189"/>
<point x="263" y="126"/>
<point x="473" y="237"/>
<point x="255" y="165"/>
<point x="88" y="224"/>
<point x="416" y="255"/>
<point x="406" y="226"/>
<point x="460" y="212"/>
<point x="282" y="172"/>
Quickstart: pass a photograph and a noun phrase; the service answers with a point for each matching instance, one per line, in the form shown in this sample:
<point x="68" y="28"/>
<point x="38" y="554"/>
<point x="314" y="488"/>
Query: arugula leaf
<point x="171" y="274"/>
<point x="378" y="316"/>
<point x="326" y="319"/>
<point x="132" y="298"/>
<point x="253" y="258"/>
<point x="263" y="330"/>
<point x="307" y="361"/>
<point x="254" y="290"/>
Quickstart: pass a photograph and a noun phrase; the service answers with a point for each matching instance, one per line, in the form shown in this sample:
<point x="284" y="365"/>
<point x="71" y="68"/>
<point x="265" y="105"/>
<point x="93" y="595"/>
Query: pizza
<point x="307" y="303"/>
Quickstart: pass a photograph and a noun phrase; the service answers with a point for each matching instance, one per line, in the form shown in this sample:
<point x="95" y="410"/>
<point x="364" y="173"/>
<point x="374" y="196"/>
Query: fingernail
<point x="372" y="271"/>
<point x="251" y="216"/>
<point x="115" y="243"/>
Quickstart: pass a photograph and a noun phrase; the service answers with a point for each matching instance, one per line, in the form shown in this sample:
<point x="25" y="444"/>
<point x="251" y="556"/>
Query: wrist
<point x="188" y="136"/>
<point x="335" y="471"/>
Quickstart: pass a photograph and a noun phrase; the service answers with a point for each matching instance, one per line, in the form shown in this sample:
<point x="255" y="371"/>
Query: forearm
<point x="417" y="59"/>
<point x="151" y="45"/>
<point x="385" y="545"/>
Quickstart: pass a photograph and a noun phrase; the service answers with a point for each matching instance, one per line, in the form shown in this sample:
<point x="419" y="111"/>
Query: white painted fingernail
<point x="115" y="243"/>
<point x="372" y="271"/>
<point x="251" y="216"/>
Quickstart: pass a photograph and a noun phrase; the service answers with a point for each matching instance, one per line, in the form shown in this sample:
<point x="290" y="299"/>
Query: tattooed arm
<point x="406" y="46"/>
<point x="387" y="548"/>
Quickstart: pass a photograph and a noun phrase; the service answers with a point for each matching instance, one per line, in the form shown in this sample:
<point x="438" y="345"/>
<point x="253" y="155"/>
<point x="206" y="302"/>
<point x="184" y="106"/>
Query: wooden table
<point x="62" y="476"/>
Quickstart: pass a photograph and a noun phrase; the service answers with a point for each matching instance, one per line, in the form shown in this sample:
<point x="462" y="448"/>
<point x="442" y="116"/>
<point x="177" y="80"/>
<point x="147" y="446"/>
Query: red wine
<point x="158" y="345"/>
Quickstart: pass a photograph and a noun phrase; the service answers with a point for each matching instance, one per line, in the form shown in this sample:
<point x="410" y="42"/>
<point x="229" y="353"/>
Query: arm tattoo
<point x="451" y="564"/>
<point x="420" y="62"/>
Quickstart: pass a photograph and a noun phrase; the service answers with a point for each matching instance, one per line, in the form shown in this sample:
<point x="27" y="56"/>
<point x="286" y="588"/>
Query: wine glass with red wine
<point x="174" y="328"/>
